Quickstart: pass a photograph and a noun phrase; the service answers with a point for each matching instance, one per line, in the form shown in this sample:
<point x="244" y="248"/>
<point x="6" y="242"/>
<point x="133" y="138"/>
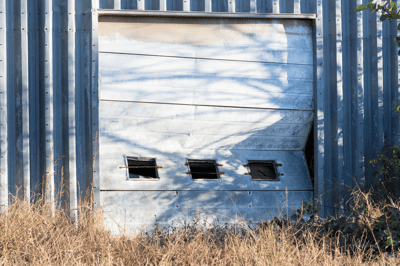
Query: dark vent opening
<point x="203" y="169"/>
<point x="309" y="153"/>
<point x="262" y="170"/>
<point x="145" y="168"/>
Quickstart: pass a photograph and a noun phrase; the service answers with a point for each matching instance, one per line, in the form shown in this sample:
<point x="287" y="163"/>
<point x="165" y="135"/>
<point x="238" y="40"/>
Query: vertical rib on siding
<point x="14" y="142"/>
<point x="371" y="120"/>
<point x="381" y="139"/>
<point x="386" y="83"/>
<point x="367" y="126"/>
<point x="163" y="5"/>
<point x="73" y="191"/>
<point x="275" y="6"/>
<point x="231" y="6"/>
<point x="360" y="98"/>
<point x="208" y="6"/>
<point x="3" y="110"/>
<point x="117" y="4"/>
<point x="297" y="7"/>
<point x="394" y="82"/>
<point x="95" y="101"/>
<point x="36" y="110"/>
<point x="339" y="73"/>
<point x="347" y="131"/>
<point x="140" y="4"/>
<point x="86" y="176"/>
<point x="253" y="6"/>
<point x="330" y="110"/>
<point x="186" y="5"/>
<point x="48" y="77"/>
<point x="319" y="120"/>
<point x="25" y="99"/>
<point x="397" y="139"/>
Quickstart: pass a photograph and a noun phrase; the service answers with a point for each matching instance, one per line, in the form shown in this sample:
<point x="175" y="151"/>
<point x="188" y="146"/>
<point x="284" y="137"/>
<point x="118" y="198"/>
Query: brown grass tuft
<point x="32" y="235"/>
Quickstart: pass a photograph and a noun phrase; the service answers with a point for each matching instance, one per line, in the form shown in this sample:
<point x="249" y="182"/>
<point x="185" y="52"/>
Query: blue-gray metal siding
<point x="49" y="90"/>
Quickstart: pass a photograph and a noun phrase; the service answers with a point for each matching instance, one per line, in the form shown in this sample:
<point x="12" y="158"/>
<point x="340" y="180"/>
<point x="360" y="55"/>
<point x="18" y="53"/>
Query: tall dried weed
<point x="30" y="234"/>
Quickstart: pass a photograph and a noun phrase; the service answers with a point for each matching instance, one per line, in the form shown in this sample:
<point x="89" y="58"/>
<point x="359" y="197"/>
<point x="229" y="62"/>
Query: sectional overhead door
<point x="204" y="116"/>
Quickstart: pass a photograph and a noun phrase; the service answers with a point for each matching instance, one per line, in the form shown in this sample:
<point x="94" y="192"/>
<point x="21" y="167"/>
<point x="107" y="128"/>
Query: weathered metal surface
<point x="195" y="127"/>
<point x="94" y="108"/>
<point x="213" y="14"/>
<point x="370" y="87"/>
<point x="3" y="109"/>
<point x="44" y="125"/>
<point x="172" y="175"/>
<point x="135" y="210"/>
<point x="147" y="64"/>
<point x="204" y="113"/>
<point x="72" y="177"/>
<point x="208" y="97"/>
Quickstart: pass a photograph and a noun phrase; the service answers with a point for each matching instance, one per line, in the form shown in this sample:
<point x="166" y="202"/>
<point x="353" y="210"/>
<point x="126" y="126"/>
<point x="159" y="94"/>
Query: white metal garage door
<point x="229" y="92"/>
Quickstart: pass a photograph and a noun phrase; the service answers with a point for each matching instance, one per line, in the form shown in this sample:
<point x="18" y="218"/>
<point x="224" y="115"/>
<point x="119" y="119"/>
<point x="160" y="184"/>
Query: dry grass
<point x="30" y="234"/>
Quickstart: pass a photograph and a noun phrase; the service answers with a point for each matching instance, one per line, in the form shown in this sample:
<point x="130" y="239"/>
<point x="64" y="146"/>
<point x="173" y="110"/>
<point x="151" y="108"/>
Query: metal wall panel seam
<point x="208" y="6"/>
<point x="152" y="13"/>
<point x="304" y="6"/>
<point x="84" y="115"/>
<point x="231" y="6"/>
<point x="102" y="4"/>
<point x="3" y="109"/>
<point x="339" y="73"/>
<point x="297" y="7"/>
<point x="275" y="6"/>
<point x="348" y="163"/>
<point x="253" y="6"/>
<point x="329" y="108"/>
<point x="117" y="4"/>
<point x="48" y="77"/>
<point x="36" y="167"/>
<point x="370" y="93"/>
<point x="395" y="80"/>
<point x="398" y="79"/>
<point x="95" y="102"/>
<point x="386" y="83"/>
<point x="163" y="5"/>
<point x="319" y="120"/>
<point x="186" y="5"/>
<point x="73" y="190"/>
<point x="140" y="5"/>
<point x="381" y="139"/>
<point x="25" y="99"/>
<point x="360" y="98"/>
<point x="95" y="5"/>
<point x="14" y="143"/>
<point x="60" y="98"/>
<point x="311" y="6"/>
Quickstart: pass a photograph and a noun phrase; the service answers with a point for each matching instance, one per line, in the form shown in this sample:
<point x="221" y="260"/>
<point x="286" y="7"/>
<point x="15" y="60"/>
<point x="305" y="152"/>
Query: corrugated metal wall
<point x="49" y="85"/>
<point x="45" y="69"/>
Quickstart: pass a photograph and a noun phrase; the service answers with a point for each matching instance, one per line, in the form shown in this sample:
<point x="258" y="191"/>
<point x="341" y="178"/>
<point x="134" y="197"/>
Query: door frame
<point x="95" y="69"/>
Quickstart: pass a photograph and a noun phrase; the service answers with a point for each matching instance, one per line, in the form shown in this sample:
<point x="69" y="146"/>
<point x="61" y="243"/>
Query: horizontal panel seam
<point x="130" y="118"/>
<point x="208" y="190"/>
<point x="258" y="108"/>
<point x="203" y="58"/>
<point x="112" y="12"/>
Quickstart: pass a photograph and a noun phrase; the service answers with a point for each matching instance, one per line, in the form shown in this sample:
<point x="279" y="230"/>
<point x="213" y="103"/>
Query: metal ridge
<point x="144" y="13"/>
